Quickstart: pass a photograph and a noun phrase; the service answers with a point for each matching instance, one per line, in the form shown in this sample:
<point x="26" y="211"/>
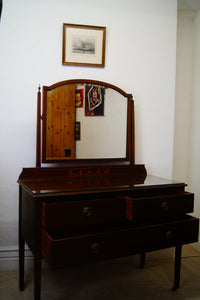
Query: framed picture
<point x="94" y="100"/>
<point x="83" y="45"/>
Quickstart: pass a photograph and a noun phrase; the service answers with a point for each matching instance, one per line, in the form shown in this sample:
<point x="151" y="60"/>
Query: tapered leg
<point x="38" y="250"/>
<point x="37" y="277"/>
<point x="21" y="263"/>
<point x="30" y="224"/>
<point x="178" y="251"/>
<point x="142" y="259"/>
<point x="21" y="246"/>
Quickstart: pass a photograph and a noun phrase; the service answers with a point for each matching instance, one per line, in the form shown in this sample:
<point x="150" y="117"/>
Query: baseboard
<point x="9" y="259"/>
<point x="196" y="246"/>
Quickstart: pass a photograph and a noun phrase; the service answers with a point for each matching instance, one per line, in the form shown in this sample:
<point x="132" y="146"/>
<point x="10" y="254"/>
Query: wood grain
<point x="61" y="122"/>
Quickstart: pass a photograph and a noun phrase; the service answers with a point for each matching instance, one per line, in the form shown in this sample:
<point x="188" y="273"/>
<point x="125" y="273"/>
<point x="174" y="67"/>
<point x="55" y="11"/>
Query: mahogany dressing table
<point x="85" y="206"/>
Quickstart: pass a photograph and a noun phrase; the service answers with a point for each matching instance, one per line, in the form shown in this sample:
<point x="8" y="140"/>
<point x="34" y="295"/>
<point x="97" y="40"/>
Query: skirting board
<point x="9" y="259"/>
<point x="196" y="246"/>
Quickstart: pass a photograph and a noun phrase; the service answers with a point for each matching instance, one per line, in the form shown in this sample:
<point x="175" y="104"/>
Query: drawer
<point x="61" y="251"/>
<point x="59" y="214"/>
<point x="140" y="209"/>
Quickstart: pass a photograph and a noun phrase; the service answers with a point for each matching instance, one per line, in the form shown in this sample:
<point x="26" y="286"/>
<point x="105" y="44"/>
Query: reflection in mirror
<point x="85" y="120"/>
<point x="103" y="136"/>
<point x="60" y="122"/>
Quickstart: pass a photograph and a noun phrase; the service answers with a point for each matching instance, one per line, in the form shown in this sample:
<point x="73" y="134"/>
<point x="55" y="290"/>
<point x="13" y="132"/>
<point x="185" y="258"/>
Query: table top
<point x="63" y="185"/>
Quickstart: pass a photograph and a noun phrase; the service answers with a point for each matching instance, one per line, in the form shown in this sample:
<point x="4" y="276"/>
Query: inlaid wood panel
<point x="60" y="135"/>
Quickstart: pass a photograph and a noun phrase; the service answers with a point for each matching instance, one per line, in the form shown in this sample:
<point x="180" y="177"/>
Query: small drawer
<point x="140" y="209"/>
<point x="58" y="214"/>
<point x="61" y="251"/>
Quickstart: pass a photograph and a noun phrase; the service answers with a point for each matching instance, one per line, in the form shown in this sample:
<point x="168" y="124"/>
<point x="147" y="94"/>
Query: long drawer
<point x="59" y="213"/>
<point x="60" y="251"/>
<point x="139" y="209"/>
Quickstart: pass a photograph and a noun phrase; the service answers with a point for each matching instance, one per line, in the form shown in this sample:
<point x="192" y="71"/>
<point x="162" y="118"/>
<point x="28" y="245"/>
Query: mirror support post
<point x="132" y="133"/>
<point x="38" y="137"/>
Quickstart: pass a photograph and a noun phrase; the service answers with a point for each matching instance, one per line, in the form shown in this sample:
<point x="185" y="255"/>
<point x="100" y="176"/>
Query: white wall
<point x="194" y="166"/>
<point x="184" y="92"/>
<point x="187" y="112"/>
<point x="187" y="108"/>
<point x="140" y="58"/>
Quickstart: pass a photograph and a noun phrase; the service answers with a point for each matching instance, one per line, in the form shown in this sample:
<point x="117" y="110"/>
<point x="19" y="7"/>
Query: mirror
<point x="86" y="120"/>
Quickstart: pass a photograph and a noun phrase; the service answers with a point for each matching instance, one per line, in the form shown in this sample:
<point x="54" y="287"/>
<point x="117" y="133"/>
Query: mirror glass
<point x="85" y="120"/>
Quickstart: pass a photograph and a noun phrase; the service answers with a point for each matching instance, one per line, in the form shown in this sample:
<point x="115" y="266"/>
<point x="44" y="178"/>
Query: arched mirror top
<point x="85" y="121"/>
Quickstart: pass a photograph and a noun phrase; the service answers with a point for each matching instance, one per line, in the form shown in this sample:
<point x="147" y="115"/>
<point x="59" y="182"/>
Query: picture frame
<point x="83" y="45"/>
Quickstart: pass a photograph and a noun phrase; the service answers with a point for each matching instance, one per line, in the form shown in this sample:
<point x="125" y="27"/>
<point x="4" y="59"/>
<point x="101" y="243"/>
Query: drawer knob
<point x="170" y="236"/>
<point x="165" y="205"/>
<point x="87" y="211"/>
<point x="95" y="248"/>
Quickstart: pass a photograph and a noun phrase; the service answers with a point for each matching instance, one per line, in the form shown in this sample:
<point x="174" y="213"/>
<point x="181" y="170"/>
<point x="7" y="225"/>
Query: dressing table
<point x="91" y="201"/>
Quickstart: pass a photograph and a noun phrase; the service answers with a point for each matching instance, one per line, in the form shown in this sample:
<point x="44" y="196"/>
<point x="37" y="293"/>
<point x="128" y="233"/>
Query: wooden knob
<point x="170" y="236"/>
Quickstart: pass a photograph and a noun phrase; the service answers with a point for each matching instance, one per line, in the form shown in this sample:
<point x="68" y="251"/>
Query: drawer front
<point x="60" y="214"/>
<point x="155" y="207"/>
<point x="60" y="252"/>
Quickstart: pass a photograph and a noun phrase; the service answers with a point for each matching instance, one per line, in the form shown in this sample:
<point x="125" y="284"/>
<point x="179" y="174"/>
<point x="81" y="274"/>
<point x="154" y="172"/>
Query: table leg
<point x="21" y="245"/>
<point x="38" y="251"/>
<point x="37" y="277"/>
<point x="21" y="263"/>
<point x="178" y="251"/>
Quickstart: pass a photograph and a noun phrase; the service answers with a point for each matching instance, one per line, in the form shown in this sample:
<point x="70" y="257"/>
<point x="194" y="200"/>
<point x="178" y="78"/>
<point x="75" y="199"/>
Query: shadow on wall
<point x="1" y="5"/>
